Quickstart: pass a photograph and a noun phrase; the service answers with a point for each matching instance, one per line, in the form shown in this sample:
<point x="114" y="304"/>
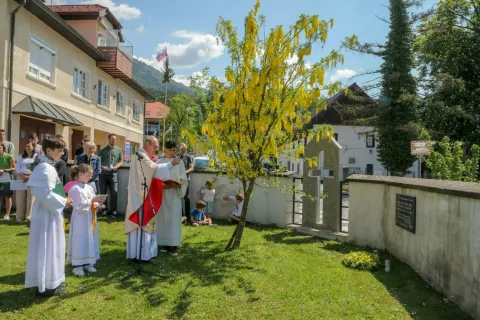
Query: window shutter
<point x="99" y="87"/>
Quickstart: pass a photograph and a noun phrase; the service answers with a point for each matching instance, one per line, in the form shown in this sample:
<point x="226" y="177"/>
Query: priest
<point x="138" y="205"/>
<point x="169" y="219"/>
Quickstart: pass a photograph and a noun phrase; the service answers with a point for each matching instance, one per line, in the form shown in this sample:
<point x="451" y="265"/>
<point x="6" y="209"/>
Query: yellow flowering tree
<point x="270" y="93"/>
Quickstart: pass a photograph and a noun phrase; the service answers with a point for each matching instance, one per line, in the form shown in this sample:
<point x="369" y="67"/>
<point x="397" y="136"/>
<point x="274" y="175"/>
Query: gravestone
<point x="328" y="170"/>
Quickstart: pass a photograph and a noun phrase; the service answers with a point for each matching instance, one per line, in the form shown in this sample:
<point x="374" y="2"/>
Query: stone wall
<point x="445" y="248"/>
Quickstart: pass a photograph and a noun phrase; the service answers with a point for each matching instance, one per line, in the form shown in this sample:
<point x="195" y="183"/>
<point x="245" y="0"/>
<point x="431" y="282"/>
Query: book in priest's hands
<point x="171" y="183"/>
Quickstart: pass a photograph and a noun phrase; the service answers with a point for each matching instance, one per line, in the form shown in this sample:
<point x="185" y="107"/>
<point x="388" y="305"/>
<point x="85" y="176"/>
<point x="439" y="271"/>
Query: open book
<point x="171" y="183"/>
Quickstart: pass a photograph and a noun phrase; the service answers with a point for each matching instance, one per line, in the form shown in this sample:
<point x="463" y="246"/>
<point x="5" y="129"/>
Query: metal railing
<point x="111" y="38"/>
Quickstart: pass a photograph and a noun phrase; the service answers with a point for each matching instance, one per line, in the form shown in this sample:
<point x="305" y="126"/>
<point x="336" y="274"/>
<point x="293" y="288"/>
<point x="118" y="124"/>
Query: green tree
<point x="447" y="163"/>
<point x="448" y="50"/>
<point x="266" y="100"/>
<point x="397" y="112"/>
<point x="184" y="117"/>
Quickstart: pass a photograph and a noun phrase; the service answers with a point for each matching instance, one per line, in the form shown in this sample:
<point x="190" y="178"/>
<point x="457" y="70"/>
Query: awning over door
<point x="34" y="107"/>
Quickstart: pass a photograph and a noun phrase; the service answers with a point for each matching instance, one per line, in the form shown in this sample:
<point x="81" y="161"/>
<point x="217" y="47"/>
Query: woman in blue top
<point x="94" y="161"/>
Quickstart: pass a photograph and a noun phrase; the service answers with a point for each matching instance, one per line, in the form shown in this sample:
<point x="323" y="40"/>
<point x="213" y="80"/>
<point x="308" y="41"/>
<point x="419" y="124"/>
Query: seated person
<point x="197" y="216"/>
<point x="235" y="216"/>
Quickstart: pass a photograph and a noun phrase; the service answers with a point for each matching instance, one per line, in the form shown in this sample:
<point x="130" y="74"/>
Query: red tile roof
<point x="79" y="8"/>
<point x="153" y="108"/>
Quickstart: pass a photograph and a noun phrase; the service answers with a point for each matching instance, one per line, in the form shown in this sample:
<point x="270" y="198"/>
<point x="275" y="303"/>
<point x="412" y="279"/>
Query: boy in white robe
<point x="169" y="218"/>
<point x="83" y="245"/>
<point x="46" y="243"/>
<point x="143" y="163"/>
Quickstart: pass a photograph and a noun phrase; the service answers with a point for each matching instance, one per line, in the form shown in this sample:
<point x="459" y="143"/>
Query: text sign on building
<point x="406" y="212"/>
<point x="127" y="149"/>
<point x="420" y="148"/>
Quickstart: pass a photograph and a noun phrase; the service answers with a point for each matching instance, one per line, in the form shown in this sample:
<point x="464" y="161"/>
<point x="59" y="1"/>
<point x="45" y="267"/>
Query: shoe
<point x="104" y="214"/>
<point x="62" y="285"/>
<point x="78" y="271"/>
<point x="19" y="220"/>
<point x="6" y="217"/>
<point x="174" y="251"/>
<point x="51" y="292"/>
<point x="90" y="268"/>
<point x="162" y="249"/>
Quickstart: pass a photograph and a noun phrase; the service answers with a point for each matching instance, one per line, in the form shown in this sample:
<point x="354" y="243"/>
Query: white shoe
<point x="6" y="217"/>
<point x="90" y="268"/>
<point x="78" y="271"/>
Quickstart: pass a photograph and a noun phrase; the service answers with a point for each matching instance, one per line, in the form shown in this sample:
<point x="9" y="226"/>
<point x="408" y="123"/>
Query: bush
<point x="360" y="260"/>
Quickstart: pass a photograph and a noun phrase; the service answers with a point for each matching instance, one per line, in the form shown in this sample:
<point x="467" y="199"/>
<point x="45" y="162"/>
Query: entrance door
<point x="76" y="142"/>
<point x="29" y="126"/>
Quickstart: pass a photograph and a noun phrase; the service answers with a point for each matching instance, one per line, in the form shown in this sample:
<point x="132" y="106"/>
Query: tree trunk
<point x="164" y="119"/>
<point x="236" y="238"/>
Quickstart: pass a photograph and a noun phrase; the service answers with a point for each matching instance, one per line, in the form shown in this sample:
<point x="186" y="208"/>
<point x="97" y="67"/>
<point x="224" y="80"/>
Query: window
<point x="335" y="136"/>
<point x="148" y="113"/>
<point x="79" y="82"/>
<point x="370" y="141"/>
<point x="136" y="111"/>
<point x="159" y="113"/>
<point x="41" y="60"/>
<point x="102" y="93"/>
<point x="120" y="103"/>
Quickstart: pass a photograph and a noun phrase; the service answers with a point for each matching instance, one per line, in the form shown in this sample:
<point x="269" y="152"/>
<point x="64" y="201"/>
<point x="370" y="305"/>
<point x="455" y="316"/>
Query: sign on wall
<point x="420" y="148"/>
<point x="406" y="212"/>
<point x="127" y="149"/>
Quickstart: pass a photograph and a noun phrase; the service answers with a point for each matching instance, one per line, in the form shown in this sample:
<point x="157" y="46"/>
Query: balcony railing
<point x="111" y="38"/>
<point x="119" y="65"/>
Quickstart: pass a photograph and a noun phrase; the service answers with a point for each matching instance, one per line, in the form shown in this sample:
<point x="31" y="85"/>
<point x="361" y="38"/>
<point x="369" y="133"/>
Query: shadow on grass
<point x="402" y="282"/>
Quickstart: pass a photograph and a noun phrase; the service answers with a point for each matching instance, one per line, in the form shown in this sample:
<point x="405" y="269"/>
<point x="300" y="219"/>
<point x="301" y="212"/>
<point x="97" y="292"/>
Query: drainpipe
<point x="10" y="80"/>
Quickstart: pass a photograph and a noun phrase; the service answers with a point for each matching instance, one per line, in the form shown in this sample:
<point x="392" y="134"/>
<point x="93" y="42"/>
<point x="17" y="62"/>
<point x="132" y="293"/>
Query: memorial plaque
<point x="405" y="212"/>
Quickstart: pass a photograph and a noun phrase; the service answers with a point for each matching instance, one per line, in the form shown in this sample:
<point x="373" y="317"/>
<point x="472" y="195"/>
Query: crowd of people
<point x="45" y="194"/>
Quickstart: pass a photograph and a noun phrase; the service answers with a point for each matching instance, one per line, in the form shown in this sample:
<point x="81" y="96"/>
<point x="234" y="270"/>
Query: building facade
<point x="70" y="76"/>
<point x="155" y="112"/>
<point x="359" y="144"/>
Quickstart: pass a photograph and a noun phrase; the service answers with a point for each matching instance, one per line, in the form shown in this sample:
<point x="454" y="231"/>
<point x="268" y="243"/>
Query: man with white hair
<point x="138" y="205"/>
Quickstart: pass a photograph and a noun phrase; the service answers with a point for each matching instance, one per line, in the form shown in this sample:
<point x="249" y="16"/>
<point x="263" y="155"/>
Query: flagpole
<point x="164" y="120"/>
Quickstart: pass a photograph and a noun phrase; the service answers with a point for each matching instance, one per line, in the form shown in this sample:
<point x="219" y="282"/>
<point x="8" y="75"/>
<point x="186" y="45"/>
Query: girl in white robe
<point x="83" y="244"/>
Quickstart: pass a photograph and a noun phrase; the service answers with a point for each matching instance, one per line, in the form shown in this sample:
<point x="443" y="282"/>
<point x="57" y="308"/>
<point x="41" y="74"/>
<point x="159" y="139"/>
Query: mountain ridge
<point x="151" y="80"/>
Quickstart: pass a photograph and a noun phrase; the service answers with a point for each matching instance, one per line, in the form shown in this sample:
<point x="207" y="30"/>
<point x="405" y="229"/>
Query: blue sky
<point x="187" y="29"/>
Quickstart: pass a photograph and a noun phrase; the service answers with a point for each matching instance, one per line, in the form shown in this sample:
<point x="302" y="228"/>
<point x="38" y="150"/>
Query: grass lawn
<point x="278" y="274"/>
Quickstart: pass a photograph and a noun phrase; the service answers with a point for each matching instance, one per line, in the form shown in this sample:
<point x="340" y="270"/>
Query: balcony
<point x="119" y="65"/>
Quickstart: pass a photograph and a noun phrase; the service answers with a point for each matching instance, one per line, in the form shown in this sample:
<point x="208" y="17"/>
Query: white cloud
<point x="181" y="78"/>
<point x="199" y="48"/>
<point x="341" y="74"/>
<point x="140" y="28"/>
<point x="56" y="2"/>
<point x="120" y="11"/>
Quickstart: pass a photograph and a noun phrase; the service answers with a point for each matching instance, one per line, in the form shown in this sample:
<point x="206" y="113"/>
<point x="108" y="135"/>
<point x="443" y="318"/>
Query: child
<point x="208" y="198"/>
<point x="72" y="179"/>
<point x="46" y="243"/>
<point x="83" y="248"/>
<point x="197" y="215"/>
<point x="235" y="216"/>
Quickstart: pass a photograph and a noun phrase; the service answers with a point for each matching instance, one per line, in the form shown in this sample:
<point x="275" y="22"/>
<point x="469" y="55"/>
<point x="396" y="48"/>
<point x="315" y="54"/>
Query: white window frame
<point x="37" y="71"/>
<point x="370" y="143"/>
<point x="120" y="102"/>
<point x="102" y="94"/>
<point x="77" y="88"/>
<point x="136" y="110"/>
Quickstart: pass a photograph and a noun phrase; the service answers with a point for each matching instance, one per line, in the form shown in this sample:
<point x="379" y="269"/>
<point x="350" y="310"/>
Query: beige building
<point x="71" y="75"/>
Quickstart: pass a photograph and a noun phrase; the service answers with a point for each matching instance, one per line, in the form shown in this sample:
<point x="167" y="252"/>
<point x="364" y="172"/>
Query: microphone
<point x="139" y="155"/>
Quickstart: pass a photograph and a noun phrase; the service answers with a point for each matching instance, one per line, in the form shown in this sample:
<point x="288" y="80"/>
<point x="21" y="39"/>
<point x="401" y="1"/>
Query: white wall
<point x="444" y="250"/>
<point x="268" y="205"/>
<point x="353" y="141"/>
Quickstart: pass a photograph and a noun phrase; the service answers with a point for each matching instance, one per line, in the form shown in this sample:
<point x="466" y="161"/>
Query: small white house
<point x="359" y="143"/>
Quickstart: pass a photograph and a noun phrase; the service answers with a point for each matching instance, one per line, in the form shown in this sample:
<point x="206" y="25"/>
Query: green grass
<point x="277" y="274"/>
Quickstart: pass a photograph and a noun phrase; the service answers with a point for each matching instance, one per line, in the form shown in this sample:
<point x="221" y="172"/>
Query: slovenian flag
<point x="162" y="54"/>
